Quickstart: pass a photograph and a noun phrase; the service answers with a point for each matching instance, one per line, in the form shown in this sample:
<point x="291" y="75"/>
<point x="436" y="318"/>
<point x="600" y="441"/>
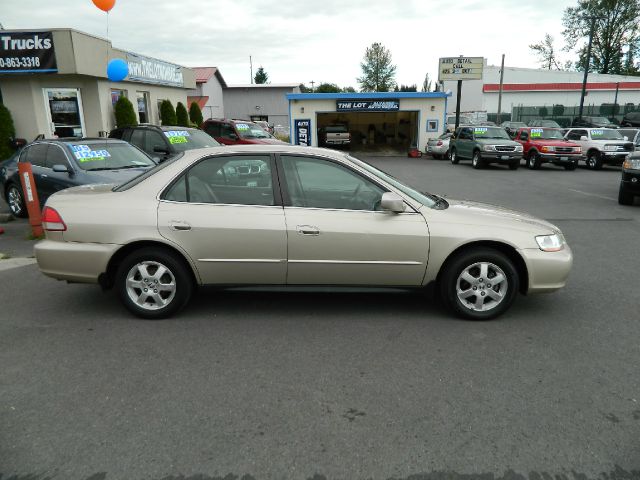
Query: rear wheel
<point x="16" y="202"/>
<point x="514" y="164"/>
<point x="454" y="156"/>
<point x="479" y="284"/>
<point x="624" y="197"/>
<point x="153" y="283"/>
<point x="476" y="161"/>
<point x="594" y="162"/>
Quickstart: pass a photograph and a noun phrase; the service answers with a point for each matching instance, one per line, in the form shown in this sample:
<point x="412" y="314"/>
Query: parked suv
<point x="630" y="182"/>
<point x="631" y="119"/>
<point x="235" y="132"/>
<point x="165" y="142"/>
<point x="600" y="145"/>
<point x="633" y="135"/>
<point x="547" y="145"/>
<point x="595" y="122"/>
<point x="485" y="145"/>
<point x="63" y="163"/>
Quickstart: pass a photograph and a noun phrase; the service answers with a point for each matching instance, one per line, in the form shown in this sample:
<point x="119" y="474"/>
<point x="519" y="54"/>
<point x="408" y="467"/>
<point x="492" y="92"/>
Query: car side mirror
<point x="60" y="169"/>
<point x="158" y="149"/>
<point x="392" y="202"/>
<point x="18" y="143"/>
<point x="626" y="139"/>
<point x="233" y="136"/>
<point x="583" y="138"/>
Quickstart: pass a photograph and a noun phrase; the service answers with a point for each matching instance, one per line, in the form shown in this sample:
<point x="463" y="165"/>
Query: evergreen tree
<point x="195" y="114"/>
<point x="124" y="112"/>
<point x="7" y="132"/>
<point x="182" y="117"/>
<point x="167" y="113"/>
<point x="378" y="73"/>
<point x="261" y="77"/>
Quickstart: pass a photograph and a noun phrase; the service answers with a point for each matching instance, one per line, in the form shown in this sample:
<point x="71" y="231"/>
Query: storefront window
<point x="143" y="106"/>
<point x="116" y="94"/>
<point x="64" y="112"/>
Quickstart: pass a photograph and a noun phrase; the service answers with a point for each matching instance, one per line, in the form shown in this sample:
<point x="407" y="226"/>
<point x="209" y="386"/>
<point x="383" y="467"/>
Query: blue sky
<point x="297" y="41"/>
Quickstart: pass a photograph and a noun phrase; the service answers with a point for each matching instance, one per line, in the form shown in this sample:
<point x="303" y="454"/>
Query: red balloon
<point x="105" y="5"/>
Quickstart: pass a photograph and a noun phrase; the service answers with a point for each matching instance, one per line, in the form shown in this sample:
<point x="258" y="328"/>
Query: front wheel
<point x="533" y="161"/>
<point x="153" y="283"/>
<point x="16" y="202"/>
<point x="624" y="197"/>
<point x="479" y="284"/>
<point x="594" y="162"/>
<point x="453" y="156"/>
<point x="476" y="161"/>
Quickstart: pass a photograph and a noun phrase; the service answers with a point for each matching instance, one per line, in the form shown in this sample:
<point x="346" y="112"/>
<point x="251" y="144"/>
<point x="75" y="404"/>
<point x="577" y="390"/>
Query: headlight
<point x="489" y="148"/>
<point x="548" y="149"/>
<point x="577" y="149"/>
<point x="610" y="148"/>
<point x="518" y="148"/>
<point x="631" y="164"/>
<point x="550" y="243"/>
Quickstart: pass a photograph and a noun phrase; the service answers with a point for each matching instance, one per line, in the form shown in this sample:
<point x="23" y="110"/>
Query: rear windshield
<point x="336" y="129"/>
<point x="183" y="140"/>
<point x="108" y="156"/>
<point x="546" y="134"/>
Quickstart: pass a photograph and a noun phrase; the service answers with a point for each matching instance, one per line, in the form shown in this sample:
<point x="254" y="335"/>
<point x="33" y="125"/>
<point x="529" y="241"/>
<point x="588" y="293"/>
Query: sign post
<point x="460" y="68"/>
<point x="30" y="195"/>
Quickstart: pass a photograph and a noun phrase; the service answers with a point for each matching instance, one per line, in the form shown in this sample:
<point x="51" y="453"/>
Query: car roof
<point x="87" y="140"/>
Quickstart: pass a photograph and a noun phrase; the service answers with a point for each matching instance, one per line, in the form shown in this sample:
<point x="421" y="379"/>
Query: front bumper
<point x="560" y="159"/>
<point x="631" y="181"/>
<point x="548" y="271"/>
<point x="501" y="157"/>
<point x="613" y="158"/>
<point x="74" y="261"/>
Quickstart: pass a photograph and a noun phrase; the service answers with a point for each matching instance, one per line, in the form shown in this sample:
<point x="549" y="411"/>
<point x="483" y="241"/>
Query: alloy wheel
<point x="481" y="286"/>
<point x="151" y="285"/>
<point x="15" y="201"/>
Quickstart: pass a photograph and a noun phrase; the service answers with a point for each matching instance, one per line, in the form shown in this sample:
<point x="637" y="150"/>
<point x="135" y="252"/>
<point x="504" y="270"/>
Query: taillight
<point x="439" y="144"/>
<point x="52" y="221"/>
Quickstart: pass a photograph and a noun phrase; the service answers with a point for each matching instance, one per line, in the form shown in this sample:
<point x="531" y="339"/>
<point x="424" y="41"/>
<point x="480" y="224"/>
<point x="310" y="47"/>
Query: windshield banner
<point x="387" y="105"/>
<point x="303" y="132"/>
<point x="27" y="52"/>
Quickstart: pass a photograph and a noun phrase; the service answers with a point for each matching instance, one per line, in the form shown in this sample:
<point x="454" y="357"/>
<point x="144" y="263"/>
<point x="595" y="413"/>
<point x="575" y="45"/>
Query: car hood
<point x="495" y="141"/>
<point x="475" y="213"/>
<point x="553" y="143"/>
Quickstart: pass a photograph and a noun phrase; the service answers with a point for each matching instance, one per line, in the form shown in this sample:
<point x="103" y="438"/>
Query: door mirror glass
<point x="392" y="202"/>
<point x="60" y="168"/>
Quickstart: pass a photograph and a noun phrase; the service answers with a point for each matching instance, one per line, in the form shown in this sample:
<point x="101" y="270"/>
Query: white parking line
<point x="10" y="263"/>
<point x="592" y="194"/>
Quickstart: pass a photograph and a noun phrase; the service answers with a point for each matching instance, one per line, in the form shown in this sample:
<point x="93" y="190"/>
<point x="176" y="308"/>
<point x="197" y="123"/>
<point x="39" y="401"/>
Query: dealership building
<point x="54" y="82"/>
<point x="397" y="120"/>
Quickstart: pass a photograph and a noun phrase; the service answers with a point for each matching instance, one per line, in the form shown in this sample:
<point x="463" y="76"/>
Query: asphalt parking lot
<point x="268" y="384"/>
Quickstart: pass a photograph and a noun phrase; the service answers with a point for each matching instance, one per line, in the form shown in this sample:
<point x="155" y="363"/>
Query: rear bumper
<point x="548" y="271"/>
<point x="72" y="261"/>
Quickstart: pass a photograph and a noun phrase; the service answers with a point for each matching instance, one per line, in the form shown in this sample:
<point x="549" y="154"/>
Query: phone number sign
<point x="27" y="52"/>
<point x="460" y="68"/>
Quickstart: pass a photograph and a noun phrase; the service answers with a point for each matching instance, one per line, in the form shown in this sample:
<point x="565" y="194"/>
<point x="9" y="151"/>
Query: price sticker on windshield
<point x="176" y="133"/>
<point x="178" y="139"/>
<point x="597" y="133"/>
<point x="84" y="153"/>
<point x="480" y="130"/>
<point x="536" y="132"/>
<point x="242" y="126"/>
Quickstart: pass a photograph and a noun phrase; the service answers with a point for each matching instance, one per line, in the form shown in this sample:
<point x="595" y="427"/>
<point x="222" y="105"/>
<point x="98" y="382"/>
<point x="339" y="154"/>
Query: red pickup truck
<point x="547" y="145"/>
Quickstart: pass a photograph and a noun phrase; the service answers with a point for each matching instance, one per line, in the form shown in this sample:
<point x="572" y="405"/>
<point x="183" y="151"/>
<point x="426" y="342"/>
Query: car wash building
<point x="387" y="121"/>
<point x="54" y="83"/>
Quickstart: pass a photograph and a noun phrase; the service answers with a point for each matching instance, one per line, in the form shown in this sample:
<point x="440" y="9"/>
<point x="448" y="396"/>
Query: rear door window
<point x="37" y="154"/>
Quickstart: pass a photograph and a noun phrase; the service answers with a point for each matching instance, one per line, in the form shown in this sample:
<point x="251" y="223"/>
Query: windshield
<point x="183" y="140"/>
<point x="416" y="195"/>
<point x="606" y="134"/>
<point x="251" y="130"/>
<point x="108" y="156"/>
<point x="546" y="134"/>
<point x="490" y="132"/>
<point x="516" y="125"/>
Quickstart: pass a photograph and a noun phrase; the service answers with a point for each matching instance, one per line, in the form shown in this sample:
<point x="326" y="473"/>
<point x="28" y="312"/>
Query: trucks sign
<point x="460" y="68"/>
<point x="27" y="52"/>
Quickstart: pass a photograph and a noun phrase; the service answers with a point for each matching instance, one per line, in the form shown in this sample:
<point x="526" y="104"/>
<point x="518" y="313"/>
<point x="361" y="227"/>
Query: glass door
<point x="143" y="106"/>
<point x="64" y="112"/>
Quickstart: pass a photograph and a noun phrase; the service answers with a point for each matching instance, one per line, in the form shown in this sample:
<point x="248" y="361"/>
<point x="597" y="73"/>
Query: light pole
<point x="593" y="19"/>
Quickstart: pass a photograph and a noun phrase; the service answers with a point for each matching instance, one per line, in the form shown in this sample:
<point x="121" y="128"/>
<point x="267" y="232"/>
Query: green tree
<point x="544" y="112"/>
<point x="557" y="110"/>
<point x="7" y="132"/>
<point x="409" y="88"/>
<point x="261" y="77"/>
<point x="195" y="114"/>
<point x="426" y="85"/>
<point x="328" y="88"/>
<point x="167" y="113"/>
<point x="616" y="28"/>
<point x="124" y="112"/>
<point x="546" y="52"/>
<point x="378" y="73"/>
<point x="349" y="90"/>
<point x="182" y="117"/>
<point x="304" y="88"/>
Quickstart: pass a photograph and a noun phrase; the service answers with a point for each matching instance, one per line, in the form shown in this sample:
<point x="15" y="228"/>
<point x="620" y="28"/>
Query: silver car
<point x="439" y="147"/>
<point x="286" y="215"/>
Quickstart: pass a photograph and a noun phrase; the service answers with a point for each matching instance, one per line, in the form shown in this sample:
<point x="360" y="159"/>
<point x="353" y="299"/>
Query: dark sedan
<point x="62" y="163"/>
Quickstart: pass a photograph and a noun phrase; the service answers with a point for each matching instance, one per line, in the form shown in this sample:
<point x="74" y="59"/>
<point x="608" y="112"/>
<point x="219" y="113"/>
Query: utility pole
<point x="615" y="101"/>
<point x="499" y="117"/>
<point x="586" y="66"/>
<point x="312" y="86"/>
<point x="251" y="68"/>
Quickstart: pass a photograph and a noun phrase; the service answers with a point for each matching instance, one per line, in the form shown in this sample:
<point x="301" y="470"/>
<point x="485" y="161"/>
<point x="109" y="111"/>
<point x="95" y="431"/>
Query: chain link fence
<point x="565" y="115"/>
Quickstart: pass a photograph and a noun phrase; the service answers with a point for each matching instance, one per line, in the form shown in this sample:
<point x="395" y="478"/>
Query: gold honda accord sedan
<point x="286" y="215"/>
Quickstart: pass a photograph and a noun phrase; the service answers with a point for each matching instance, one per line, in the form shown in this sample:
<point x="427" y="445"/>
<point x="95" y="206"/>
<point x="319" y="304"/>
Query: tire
<point x="446" y="155"/>
<point x="476" y="160"/>
<point x="624" y="197"/>
<point x="571" y="166"/>
<point x="436" y="156"/>
<point x="464" y="289"/>
<point x="15" y="200"/>
<point x="594" y="162"/>
<point x="454" y="156"/>
<point x="533" y="160"/>
<point x="514" y="164"/>
<point x="137" y="276"/>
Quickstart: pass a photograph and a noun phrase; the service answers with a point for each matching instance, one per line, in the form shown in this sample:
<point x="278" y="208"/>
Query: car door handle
<point x="179" y="226"/>
<point x="44" y="175"/>
<point x="307" y="230"/>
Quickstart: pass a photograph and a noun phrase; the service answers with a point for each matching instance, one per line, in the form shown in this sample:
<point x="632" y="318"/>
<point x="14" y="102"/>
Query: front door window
<point x="64" y="112"/>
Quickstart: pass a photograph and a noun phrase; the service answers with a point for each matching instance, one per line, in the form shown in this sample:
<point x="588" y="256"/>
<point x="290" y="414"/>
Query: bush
<point x="195" y="114"/>
<point x="7" y="132"/>
<point x="167" y="113"/>
<point x="182" y="116"/>
<point x="125" y="114"/>
<point x="558" y="110"/>
<point x="544" y="112"/>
